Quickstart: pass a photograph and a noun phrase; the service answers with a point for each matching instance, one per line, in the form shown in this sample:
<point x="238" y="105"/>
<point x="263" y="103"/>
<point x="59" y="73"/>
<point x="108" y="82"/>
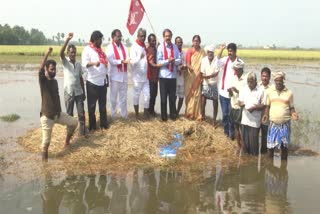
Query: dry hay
<point x="135" y="143"/>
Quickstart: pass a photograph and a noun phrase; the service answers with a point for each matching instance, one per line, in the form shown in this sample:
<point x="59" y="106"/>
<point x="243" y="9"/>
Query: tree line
<point x="18" y="35"/>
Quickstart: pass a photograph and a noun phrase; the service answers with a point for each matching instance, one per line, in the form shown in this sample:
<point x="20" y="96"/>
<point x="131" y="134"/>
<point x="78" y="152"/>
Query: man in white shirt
<point x="210" y="66"/>
<point x="118" y="60"/>
<point x="237" y="84"/>
<point x="251" y="99"/>
<point x="180" y="76"/>
<point x="139" y="69"/>
<point x="95" y="61"/>
<point x="265" y="84"/>
<point x="224" y="84"/>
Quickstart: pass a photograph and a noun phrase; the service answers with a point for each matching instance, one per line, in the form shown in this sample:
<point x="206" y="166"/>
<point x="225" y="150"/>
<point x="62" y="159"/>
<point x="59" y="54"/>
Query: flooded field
<point x="258" y="187"/>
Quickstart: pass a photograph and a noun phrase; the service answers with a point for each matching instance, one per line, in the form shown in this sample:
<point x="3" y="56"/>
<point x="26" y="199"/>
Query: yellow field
<point x="243" y="53"/>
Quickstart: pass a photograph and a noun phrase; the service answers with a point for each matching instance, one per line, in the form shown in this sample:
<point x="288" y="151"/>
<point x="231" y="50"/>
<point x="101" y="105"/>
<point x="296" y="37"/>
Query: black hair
<point x="196" y="36"/>
<point x="178" y="37"/>
<point x="96" y="35"/>
<point x="266" y="70"/>
<point x="166" y="30"/>
<point x="232" y="46"/>
<point x="50" y="62"/>
<point x="71" y="46"/>
<point x="114" y="32"/>
<point x="151" y="35"/>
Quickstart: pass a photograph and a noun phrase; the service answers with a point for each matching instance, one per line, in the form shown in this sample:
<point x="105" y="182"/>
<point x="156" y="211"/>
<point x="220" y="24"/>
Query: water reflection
<point x="244" y="189"/>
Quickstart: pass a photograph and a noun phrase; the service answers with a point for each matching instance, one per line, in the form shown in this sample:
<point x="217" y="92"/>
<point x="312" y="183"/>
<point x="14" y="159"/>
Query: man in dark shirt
<point x="50" y="105"/>
<point x="153" y="71"/>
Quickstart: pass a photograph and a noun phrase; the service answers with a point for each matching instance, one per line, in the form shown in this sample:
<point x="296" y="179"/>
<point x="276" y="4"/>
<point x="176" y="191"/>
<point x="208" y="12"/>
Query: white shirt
<point x="265" y="91"/>
<point x="239" y="84"/>
<point x="72" y="74"/>
<point x="265" y="88"/>
<point x="180" y="75"/>
<point x="228" y="77"/>
<point x="251" y="98"/>
<point x="139" y="67"/>
<point x="114" y="73"/>
<point x="96" y="75"/>
<point x="208" y="68"/>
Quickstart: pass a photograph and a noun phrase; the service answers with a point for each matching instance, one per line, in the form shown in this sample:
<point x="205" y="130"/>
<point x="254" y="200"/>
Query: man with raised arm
<point x="50" y="105"/>
<point x="73" y="83"/>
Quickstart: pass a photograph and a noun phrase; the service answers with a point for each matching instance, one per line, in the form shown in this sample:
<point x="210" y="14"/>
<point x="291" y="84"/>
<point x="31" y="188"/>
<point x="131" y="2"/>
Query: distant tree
<point x="37" y="37"/>
<point x="22" y="34"/>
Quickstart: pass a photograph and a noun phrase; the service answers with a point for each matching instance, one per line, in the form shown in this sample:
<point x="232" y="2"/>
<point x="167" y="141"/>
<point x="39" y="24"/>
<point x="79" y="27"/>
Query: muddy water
<point x="254" y="188"/>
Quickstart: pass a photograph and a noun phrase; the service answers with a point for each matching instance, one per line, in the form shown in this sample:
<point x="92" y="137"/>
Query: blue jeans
<point x="228" y="125"/>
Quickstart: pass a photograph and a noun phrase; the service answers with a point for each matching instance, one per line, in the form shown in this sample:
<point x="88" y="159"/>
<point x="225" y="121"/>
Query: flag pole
<point x="149" y="21"/>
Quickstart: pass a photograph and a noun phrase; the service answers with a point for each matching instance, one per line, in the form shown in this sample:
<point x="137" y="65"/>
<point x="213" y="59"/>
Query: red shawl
<point x="102" y="55"/>
<point x="170" y="66"/>
<point x="117" y="56"/>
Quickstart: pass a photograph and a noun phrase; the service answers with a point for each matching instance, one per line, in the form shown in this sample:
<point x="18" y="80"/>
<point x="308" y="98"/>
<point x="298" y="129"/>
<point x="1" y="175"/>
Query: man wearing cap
<point x="280" y="110"/>
<point x="210" y="66"/>
<point x="251" y="99"/>
<point x="237" y="84"/>
<point x="224" y="83"/>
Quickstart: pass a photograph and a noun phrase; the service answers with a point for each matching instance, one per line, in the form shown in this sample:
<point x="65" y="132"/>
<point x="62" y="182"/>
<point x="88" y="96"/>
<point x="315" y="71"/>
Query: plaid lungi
<point x="210" y="91"/>
<point x="278" y="134"/>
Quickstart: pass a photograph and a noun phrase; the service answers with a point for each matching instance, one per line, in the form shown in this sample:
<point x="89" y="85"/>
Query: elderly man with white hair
<point x="139" y="69"/>
<point x="280" y="109"/>
<point x="210" y="66"/>
<point x="251" y="99"/>
<point x="237" y="84"/>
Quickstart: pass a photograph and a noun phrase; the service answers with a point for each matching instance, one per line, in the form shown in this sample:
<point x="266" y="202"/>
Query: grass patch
<point x="9" y="117"/>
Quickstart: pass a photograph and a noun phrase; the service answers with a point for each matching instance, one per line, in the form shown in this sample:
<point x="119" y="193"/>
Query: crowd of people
<point x="193" y="76"/>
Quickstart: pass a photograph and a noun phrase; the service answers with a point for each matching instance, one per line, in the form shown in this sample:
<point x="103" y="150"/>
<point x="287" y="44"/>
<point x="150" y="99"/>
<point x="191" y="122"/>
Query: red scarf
<point x="101" y="54"/>
<point x="117" y="56"/>
<point x="170" y="66"/>
<point x="141" y="44"/>
<point x="224" y="73"/>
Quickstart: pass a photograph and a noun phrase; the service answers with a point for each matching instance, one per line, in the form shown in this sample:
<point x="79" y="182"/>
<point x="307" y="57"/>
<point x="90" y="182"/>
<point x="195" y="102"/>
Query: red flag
<point x="136" y="12"/>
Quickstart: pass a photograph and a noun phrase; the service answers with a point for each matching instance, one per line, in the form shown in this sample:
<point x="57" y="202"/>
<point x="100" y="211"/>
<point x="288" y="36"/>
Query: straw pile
<point x="135" y="143"/>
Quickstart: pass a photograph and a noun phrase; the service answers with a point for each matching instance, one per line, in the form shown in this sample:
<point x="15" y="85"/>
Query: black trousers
<point x="69" y="101"/>
<point x="264" y="135"/>
<point x="97" y="93"/>
<point x="153" y="95"/>
<point x="168" y="89"/>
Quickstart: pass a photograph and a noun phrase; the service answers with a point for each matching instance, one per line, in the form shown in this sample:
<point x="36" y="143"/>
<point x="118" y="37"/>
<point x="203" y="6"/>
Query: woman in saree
<point x="193" y="79"/>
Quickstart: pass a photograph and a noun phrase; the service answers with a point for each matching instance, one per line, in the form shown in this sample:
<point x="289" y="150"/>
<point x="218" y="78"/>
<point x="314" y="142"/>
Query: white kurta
<point x="118" y="81"/>
<point x="139" y="69"/>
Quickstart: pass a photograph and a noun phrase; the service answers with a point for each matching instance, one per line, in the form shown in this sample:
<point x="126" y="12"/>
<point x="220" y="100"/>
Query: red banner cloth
<point x="136" y="12"/>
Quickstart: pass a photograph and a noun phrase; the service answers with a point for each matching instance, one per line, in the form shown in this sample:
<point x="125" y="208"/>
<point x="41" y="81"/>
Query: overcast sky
<point x="249" y="22"/>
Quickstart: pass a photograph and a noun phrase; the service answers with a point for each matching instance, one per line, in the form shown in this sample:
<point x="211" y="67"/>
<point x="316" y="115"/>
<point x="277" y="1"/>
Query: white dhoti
<point x="144" y="88"/>
<point x="118" y="88"/>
